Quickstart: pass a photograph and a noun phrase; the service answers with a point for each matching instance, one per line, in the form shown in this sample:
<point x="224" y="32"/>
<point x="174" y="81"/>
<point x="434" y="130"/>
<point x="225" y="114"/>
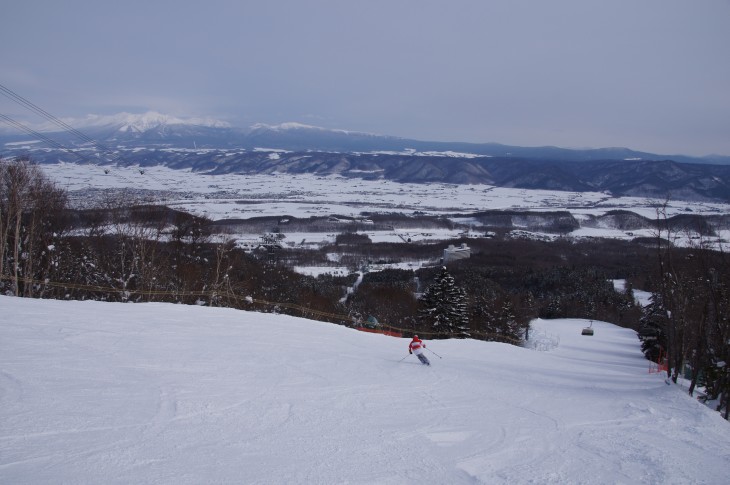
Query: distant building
<point x="453" y="253"/>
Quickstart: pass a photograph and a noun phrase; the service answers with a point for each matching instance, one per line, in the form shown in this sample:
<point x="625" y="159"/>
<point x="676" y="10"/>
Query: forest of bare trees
<point x="687" y="325"/>
<point x="31" y="220"/>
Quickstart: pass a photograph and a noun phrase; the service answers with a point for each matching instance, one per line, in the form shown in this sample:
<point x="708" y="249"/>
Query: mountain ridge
<point x="153" y="129"/>
<point x="215" y="148"/>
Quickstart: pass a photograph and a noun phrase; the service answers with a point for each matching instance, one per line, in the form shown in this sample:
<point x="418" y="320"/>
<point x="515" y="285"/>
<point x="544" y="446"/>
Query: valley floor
<point x="238" y="196"/>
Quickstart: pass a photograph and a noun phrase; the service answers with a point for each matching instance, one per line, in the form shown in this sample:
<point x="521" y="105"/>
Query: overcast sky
<point x="651" y="75"/>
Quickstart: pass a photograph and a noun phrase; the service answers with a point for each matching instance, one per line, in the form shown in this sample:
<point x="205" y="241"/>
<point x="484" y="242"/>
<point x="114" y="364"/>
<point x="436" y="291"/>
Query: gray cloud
<point x="649" y="75"/>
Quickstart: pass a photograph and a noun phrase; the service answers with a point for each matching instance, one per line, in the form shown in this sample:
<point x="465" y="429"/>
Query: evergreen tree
<point x="443" y="304"/>
<point x="484" y="312"/>
<point x="554" y="308"/>
<point x="652" y="328"/>
<point x="629" y="294"/>
<point x="510" y="326"/>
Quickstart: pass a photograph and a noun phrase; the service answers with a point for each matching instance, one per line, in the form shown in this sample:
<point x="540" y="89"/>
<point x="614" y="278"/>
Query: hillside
<point x="96" y="392"/>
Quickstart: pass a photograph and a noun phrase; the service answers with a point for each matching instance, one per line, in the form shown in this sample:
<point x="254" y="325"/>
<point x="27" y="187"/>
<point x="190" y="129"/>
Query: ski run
<point x="153" y="393"/>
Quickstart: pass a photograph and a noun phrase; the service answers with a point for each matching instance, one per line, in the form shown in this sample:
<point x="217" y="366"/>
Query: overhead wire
<point x="109" y="153"/>
<point x="29" y="105"/>
<point x="57" y="145"/>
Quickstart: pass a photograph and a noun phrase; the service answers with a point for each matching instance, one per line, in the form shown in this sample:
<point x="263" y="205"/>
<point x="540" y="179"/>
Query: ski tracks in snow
<point x="11" y="389"/>
<point x="159" y="393"/>
<point x="166" y="413"/>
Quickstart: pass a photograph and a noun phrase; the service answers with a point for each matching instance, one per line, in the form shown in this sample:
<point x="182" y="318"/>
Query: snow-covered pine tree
<point x="443" y="304"/>
<point x="510" y="328"/>
<point x="484" y="311"/>
<point x="652" y="328"/>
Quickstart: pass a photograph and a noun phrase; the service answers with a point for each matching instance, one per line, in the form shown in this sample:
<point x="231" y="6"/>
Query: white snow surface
<point x="154" y="393"/>
<point x="412" y="151"/>
<point x="293" y="125"/>
<point x="304" y="195"/>
<point x="124" y="121"/>
<point x="234" y="196"/>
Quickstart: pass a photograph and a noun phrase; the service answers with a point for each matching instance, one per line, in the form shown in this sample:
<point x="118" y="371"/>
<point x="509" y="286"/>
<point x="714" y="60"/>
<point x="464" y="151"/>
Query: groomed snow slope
<point x="156" y="393"/>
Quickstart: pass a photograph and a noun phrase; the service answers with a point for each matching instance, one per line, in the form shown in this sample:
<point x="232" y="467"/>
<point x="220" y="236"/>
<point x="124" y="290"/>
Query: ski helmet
<point x="415" y="337"/>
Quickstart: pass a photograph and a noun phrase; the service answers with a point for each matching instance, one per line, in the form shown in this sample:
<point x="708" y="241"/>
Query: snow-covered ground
<point x="304" y="195"/>
<point x="95" y="392"/>
<point x="641" y="297"/>
<point x="235" y="196"/>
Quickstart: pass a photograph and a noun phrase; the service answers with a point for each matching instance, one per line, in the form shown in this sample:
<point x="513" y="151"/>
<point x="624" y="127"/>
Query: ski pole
<point x="434" y="353"/>
<point x="404" y="358"/>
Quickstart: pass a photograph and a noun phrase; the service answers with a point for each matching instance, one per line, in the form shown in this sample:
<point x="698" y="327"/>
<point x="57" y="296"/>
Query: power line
<point x="55" y="144"/>
<point x="7" y="92"/>
<point x="108" y="152"/>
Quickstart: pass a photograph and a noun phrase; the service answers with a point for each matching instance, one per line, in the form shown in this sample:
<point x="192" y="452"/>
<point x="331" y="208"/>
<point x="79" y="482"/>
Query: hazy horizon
<point x="651" y="76"/>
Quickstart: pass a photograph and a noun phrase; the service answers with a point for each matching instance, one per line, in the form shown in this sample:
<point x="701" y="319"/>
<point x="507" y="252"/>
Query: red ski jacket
<point x="416" y="346"/>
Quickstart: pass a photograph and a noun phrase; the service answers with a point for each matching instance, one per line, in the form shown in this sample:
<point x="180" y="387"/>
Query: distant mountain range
<point x="216" y="147"/>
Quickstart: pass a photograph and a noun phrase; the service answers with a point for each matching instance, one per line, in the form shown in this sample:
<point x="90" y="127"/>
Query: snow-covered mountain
<point x="300" y="137"/>
<point x="142" y="122"/>
<point x="293" y="125"/>
<point x="127" y="122"/>
<point x="153" y="129"/>
<point x="214" y="146"/>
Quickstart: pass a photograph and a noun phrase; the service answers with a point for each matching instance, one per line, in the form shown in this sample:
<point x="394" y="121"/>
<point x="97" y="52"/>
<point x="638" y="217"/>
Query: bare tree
<point x="695" y="298"/>
<point x="30" y="218"/>
<point x="220" y="284"/>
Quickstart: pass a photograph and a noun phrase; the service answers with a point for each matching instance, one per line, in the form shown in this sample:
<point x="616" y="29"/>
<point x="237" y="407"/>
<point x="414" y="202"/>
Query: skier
<point x="416" y="347"/>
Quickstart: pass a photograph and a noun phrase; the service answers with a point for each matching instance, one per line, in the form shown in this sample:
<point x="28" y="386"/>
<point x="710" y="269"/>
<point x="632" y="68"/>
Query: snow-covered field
<point x="239" y="196"/>
<point x="304" y="195"/>
<point x="95" y="392"/>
